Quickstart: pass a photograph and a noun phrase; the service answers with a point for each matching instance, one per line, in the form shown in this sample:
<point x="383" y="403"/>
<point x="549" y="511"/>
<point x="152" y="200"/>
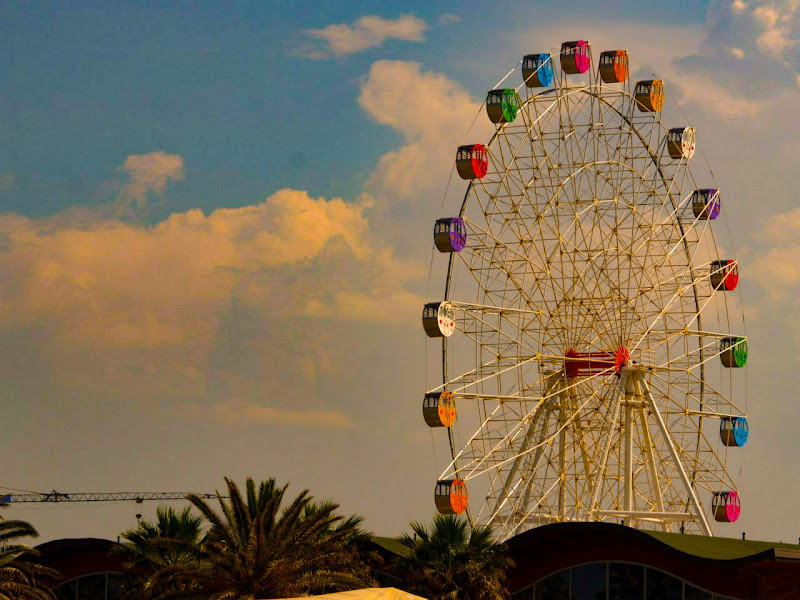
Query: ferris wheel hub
<point x="582" y="364"/>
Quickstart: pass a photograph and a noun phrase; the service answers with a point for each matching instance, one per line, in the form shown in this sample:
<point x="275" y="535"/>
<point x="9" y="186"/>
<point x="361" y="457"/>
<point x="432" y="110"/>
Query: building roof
<point x="73" y="557"/>
<point x="392" y="545"/>
<point x="733" y="568"/>
<point x="723" y="548"/>
<point x="702" y="546"/>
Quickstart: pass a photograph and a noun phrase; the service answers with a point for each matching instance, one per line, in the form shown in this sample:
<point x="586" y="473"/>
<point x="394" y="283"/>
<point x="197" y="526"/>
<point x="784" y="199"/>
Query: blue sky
<point x="87" y="85"/>
<point x="140" y="331"/>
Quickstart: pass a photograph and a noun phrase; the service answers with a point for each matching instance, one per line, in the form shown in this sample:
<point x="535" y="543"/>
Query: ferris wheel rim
<point x="556" y="95"/>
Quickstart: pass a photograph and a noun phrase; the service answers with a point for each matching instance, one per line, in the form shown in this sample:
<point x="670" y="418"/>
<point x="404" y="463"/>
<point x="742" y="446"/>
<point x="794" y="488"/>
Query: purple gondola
<point x="706" y="204"/>
<point x="450" y="234"/>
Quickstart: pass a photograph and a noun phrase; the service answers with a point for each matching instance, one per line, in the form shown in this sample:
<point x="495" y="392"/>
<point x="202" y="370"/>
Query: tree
<point x="21" y="574"/>
<point x="449" y="561"/>
<point x="257" y="548"/>
<point x="174" y="538"/>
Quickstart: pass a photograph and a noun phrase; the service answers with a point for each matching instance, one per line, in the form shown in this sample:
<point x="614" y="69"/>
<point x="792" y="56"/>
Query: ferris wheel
<point x="590" y="342"/>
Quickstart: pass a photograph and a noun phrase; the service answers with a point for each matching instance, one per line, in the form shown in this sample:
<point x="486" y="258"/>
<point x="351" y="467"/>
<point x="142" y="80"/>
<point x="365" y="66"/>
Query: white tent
<point x="388" y="593"/>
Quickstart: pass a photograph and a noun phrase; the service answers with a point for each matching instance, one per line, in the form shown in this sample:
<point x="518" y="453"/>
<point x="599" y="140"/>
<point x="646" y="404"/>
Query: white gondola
<point x="438" y="319"/>
<point x="681" y="142"/>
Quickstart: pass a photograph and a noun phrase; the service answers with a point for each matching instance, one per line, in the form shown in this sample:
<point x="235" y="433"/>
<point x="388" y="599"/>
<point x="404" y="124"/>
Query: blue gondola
<point x="734" y="431"/>
<point x="537" y="70"/>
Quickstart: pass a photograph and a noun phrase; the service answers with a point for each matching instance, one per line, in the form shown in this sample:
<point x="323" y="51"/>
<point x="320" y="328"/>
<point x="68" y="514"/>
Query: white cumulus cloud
<point x="750" y="48"/>
<point x="148" y="173"/>
<point x="433" y="115"/>
<point x="112" y="283"/>
<point x="341" y="39"/>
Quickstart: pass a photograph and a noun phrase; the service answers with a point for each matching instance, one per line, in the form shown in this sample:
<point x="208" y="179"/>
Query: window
<point x="663" y="586"/>
<point x="113" y="585"/>
<point x="625" y="582"/>
<point x="66" y="591"/>
<point x="693" y="593"/>
<point x="555" y="587"/>
<point x="526" y="594"/>
<point x="589" y="582"/>
<point x="613" y="581"/>
<point x="97" y="586"/>
<point x="92" y="587"/>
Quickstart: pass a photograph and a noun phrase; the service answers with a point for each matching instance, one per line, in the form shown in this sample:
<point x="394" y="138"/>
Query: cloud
<point x="782" y="228"/>
<point x="148" y="173"/>
<point x="772" y="261"/>
<point x="778" y="270"/>
<point x="370" y="31"/>
<point x="750" y="48"/>
<point x="272" y="303"/>
<point x="7" y="181"/>
<point x="112" y="284"/>
<point x="714" y="99"/>
<point x="432" y="113"/>
<point x="267" y="303"/>
<point x="776" y="266"/>
<point x="258" y="415"/>
<point x="448" y="19"/>
<point x="410" y="183"/>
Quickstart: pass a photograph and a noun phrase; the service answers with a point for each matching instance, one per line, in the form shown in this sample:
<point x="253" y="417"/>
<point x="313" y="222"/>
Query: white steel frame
<point x="581" y="236"/>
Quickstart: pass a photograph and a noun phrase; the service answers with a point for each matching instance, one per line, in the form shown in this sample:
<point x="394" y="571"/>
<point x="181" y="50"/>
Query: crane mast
<point x="138" y="497"/>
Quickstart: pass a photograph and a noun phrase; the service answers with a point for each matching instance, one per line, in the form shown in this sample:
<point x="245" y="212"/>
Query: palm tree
<point x="449" y="561"/>
<point x="174" y="538"/>
<point x="20" y="573"/>
<point x="257" y="548"/>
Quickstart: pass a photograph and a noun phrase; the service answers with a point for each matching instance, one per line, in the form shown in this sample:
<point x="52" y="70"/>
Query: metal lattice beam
<point x="138" y="497"/>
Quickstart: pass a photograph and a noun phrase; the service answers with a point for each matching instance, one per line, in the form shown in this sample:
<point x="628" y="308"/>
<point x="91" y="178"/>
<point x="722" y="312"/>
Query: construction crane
<point x="138" y="497"/>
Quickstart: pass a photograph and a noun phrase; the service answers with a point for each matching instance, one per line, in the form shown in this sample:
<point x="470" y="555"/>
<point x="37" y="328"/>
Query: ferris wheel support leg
<point x="526" y="442"/>
<point x="587" y="465"/>
<point x="601" y="467"/>
<point x="651" y="461"/>
<point x="698" y="509"/>
<point x="630" y="390"/>
<point x="523" y="449"/>
<point x="562" y="459"/>
<point x="537" y="457"/>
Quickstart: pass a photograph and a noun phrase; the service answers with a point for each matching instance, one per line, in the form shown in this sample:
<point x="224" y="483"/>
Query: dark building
<point x="565" y="561"/>
<point x="603" y="561"/>
<point x="89" y="571"/>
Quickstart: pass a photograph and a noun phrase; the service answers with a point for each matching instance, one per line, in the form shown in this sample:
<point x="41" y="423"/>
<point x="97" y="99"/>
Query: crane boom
<point x="139" y="497"/>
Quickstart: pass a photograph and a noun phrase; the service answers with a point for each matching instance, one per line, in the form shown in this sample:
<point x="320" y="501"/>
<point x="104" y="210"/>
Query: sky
<point x="215" y="235"/>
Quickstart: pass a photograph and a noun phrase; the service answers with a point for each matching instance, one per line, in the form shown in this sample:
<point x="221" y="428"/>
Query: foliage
<point x="21" y="574"/>
<point x="174" y="538"/>
<point x="449" y="561"/>
<point x="257" y="548"/>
